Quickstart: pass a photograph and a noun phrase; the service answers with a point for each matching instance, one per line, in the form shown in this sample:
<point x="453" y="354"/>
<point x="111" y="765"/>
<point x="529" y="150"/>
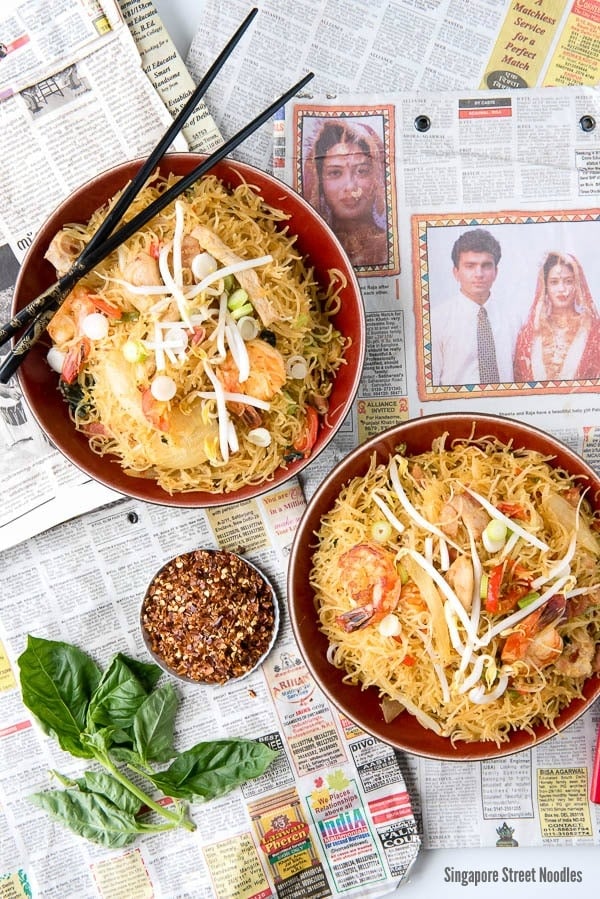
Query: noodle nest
<point x="403" y="547"/>
<point x="244" y="402"/>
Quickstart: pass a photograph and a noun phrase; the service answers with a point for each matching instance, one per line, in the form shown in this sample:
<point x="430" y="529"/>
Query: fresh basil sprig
<point x="123" y="720"/>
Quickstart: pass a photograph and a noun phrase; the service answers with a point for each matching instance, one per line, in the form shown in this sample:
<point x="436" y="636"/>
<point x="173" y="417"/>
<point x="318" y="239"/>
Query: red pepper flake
<point x="209" y="616"/>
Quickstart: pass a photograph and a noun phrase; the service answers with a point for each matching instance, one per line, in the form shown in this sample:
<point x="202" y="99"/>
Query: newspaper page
<point x="91" y="105"/>
<point x="39" y="38"/>
<point x="166" y="70"/>
<point x="392" y="45"/>
<point x="331" y="816"/>
<point x="476" y="153"/>
<point x="521" y="168"/>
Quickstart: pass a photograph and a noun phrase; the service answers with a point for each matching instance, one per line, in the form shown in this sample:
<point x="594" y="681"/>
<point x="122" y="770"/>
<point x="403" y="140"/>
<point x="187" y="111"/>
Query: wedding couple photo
<point x="505" y="303"/>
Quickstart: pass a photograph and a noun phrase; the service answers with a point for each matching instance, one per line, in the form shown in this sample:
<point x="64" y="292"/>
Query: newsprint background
<point x="505" y="87"/>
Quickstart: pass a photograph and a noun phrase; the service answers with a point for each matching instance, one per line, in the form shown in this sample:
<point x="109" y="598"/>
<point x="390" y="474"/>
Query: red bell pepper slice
<point x="305" y="443"/>
<point x="492" y="599"/>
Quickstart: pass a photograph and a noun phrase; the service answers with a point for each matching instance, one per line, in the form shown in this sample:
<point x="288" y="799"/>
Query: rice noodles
<point x="475" y="642"/>
<point x="202" y="352"/>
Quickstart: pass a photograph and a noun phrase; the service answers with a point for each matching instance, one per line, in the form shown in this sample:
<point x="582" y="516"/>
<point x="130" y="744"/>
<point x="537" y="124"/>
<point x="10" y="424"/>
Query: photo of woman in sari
<point x="344" y="179"/>
<point x="560" y="338"/>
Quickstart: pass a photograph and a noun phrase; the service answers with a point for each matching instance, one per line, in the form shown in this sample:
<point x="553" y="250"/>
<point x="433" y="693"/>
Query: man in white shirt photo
<point x="473" y="334"/>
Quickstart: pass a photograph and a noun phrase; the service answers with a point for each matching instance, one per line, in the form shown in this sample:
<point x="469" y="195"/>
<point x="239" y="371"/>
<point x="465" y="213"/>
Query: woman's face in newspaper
<point x="560" y="287"/>
<point x="348" y="182"/>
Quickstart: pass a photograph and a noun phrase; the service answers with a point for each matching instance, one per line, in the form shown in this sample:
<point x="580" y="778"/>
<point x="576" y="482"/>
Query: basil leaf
<point x="213" y="768"/>
<point x="118" y="695"/>
<point x="90" y="815"/>
<point x="154" y="724"/>
<point x="105" y="784"/>
<point x="57" y="682"/>
<point x="146" y="672"/>
<point x="125" y="754"/>
<point x="99" y="742"/>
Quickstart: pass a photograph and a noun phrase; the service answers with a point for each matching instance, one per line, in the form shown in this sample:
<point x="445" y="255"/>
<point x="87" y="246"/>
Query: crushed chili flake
<point x="209" y="615"/>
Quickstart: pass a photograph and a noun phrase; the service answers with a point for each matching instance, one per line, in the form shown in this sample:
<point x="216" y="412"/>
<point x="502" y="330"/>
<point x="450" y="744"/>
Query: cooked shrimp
<point x="411" y="596"/>
<point x="67" y="328"/>
<point x="463" y="506"/>
<point x="577" y="656"/>
<point x="267" y="375"/>
<point x="142" y="271"/>
<point x="248" y="279"/>
<point x="66" y="325"/>
<point x="372" y="581"/>
<point x="535" y="639"/>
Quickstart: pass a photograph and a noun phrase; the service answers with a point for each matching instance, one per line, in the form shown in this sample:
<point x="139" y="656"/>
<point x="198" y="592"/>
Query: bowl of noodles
<point x="444" y="586"/>
<point x="210" y="357"/>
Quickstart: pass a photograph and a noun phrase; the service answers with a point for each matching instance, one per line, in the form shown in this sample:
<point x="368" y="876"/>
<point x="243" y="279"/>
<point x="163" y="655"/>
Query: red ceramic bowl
<point x="363" y="706"/>
<point x="315" y="241"/>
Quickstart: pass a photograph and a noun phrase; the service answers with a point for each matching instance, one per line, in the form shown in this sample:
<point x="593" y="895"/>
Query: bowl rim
<point x="232" y="680"/>
<point x="245" y="172"/>
<point x="301" y="554"/>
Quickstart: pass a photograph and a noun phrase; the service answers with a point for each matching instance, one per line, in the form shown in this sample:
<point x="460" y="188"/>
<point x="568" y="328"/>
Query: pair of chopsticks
<point x="36" y="315"/>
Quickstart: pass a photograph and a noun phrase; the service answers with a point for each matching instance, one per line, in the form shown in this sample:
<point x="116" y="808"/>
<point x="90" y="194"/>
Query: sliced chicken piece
<point x="63" y="251"/>
<point x="248" y="279"/>
<point x="463" y="507"/>
<point x="461" y="579"/>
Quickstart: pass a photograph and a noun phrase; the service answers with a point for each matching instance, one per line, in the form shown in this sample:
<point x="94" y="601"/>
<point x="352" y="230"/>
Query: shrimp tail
<point x="355" y="619"/>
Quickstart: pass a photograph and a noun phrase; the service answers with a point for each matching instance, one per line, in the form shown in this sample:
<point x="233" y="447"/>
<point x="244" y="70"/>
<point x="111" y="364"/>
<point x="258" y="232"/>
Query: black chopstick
<point x="52" y="297"/>
<point x="166" y="140"/>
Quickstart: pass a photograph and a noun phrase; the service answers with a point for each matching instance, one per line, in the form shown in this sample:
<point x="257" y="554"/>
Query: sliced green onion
<point x="494" y="536"/>
<point x="203" y="264"/>
<point x="163" y="388"/>
<point x="237" y="299"/>
<point x="55" y="358"/>
<point x="242" y="311"/>
<point x="528" y="599"/>
<point x="483" y="586"/>
<point x="134" y="350"/>
<point x="296" y="367"/>
<point x="381" y="531"/>
<point x="95" y="326"/>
